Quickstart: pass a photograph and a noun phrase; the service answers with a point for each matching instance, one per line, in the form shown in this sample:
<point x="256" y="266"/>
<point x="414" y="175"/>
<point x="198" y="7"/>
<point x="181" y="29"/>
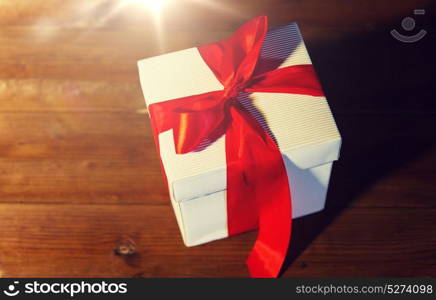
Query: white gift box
<point x="302" y="125"/>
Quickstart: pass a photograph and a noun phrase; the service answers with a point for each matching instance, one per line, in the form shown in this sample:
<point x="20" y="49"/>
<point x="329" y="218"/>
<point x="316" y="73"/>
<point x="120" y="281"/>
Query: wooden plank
<point x="365" y="242"/>
<point x="107" y="94"/>
<point x="67" y="135"/>
<point x="70" y="49"/>
<point x="79" y="157"/>
<point x="386" y="160"/>
<point x="43" y="95"/>
<point x="110" y="157"/>
<point x="58" y="53"/>
<point x="73" y="240"/>
<point x="73" y="67"/>
<point x="221" y="13"/>
<point x="78" y="240"/>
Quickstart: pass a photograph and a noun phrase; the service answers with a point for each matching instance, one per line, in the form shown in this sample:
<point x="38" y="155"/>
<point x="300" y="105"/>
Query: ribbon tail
<point x="257" y="174"/>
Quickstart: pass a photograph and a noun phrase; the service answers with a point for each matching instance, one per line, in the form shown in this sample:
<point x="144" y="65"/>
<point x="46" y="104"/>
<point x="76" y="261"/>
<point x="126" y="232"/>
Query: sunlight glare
<point x="154" y="5"/>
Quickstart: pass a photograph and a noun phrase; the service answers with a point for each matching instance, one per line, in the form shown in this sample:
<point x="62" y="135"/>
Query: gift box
<point x="300" y="124"/>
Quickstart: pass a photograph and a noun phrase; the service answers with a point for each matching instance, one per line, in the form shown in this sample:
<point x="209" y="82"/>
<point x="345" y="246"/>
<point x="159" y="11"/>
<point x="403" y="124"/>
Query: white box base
<point x="204" y="219"/>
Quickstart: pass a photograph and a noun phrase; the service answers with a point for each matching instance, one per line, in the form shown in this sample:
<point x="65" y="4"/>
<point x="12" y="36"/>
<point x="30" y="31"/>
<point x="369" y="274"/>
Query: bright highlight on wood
<point x="154" y="5"/>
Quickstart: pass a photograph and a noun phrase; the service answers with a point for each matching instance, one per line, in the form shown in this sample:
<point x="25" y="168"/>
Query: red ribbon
<point x="258" y="192"/>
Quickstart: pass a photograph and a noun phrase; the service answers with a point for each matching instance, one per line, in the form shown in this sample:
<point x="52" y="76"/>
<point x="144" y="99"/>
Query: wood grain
<point x="81" y="190"/>
<point x="81" y="239"/>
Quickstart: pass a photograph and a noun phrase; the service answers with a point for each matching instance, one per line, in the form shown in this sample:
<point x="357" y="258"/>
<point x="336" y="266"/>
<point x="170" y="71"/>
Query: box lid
<point x="302" y="125"/>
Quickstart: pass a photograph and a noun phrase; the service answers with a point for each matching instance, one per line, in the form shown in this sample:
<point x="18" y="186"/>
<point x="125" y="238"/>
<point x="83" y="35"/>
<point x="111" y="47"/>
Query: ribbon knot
<point x="258" y="192"/>
<point x="233" y="92"/>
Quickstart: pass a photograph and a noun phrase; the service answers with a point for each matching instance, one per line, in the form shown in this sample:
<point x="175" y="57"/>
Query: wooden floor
<point x="81" y="191"/>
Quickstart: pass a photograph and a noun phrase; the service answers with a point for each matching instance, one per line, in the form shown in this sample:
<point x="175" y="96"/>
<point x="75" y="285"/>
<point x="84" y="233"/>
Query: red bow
<point x="258" y="192"/>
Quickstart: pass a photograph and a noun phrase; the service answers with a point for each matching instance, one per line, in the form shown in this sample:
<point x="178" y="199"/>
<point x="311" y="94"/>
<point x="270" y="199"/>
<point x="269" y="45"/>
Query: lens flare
<point x="153" y="5"/>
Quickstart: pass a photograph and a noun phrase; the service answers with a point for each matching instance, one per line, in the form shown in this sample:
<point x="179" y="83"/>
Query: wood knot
<point x="125" y="248"/>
